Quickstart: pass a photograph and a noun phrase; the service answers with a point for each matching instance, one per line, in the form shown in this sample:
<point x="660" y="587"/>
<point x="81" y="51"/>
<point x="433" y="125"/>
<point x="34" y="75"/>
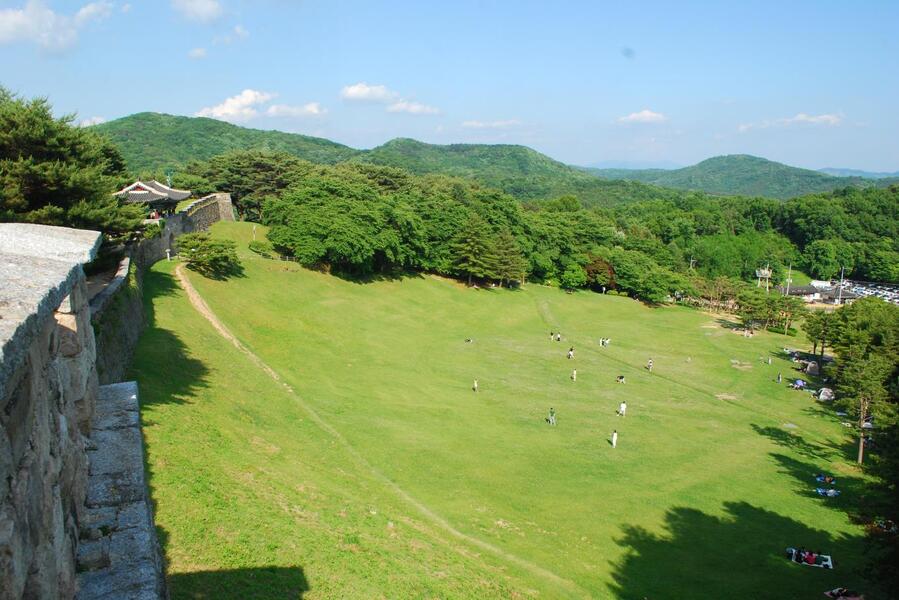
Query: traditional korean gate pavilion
<point x="154" y="194"/>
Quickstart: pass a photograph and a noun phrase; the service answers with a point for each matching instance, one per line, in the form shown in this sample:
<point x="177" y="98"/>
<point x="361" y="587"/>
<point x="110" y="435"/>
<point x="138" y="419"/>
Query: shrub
<point x="791" y="332"/>
<point x="213" y="258"/>
<point x="263" y="249"/>
<point x="154" y="230"/>
<point x="573" y="277"/>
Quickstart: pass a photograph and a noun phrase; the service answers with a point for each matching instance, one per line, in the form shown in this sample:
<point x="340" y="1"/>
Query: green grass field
<point x="381" y="474"/>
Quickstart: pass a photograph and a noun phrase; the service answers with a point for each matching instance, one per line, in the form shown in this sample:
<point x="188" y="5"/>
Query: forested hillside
<point x="739" y="174"/>
<point x="517" y="170"/>
<point x="362" y="218"/>
<point x="152" y="142"/>
<point x="155" y="142"/>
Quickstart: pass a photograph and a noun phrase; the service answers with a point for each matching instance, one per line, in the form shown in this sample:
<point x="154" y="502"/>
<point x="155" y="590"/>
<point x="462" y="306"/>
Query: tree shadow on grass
<point x="795" y="442"/>
<point x="845" y="448"/>
<point x="219" y="273"/>
<point x="162" y="364"/>
<point x="858" y="499"/>
<point x="738" y="555"/>
<point x="728" y="324"/>
<point x="380" y="276"/>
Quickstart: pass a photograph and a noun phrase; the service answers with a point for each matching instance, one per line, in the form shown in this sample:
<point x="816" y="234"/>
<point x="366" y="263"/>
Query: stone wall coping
<point x="196" y="203"/>
<point x="99" y="302"/>
<point x="47" y="241"/>
<point x="39" y="265"/>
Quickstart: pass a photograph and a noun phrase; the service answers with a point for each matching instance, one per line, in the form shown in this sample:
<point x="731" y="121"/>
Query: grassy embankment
<point x="711" y="480"/>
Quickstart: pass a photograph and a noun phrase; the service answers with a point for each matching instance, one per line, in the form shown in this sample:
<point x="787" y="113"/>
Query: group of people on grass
<point x="551" y="418"/>
<point x="622" y="407"/>
<point x="830" y="480"/>
<point x="806" y="556"/>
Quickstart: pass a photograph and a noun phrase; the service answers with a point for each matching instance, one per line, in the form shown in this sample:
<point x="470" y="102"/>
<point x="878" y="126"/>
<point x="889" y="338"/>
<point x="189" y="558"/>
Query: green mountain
<point x="517" y="170"/>
<point x="153" y="141"/>
<point x="739" y="174"/>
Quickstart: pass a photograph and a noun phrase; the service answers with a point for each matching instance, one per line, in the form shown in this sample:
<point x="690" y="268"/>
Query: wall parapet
<point x="39" y="268"/>
<point x="48" y="389"/>
<point x="99" y="302"/>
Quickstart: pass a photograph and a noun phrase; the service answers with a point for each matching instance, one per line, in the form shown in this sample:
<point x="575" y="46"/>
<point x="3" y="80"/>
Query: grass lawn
<point x="255" y="498"/>
<point x="798" y="277"/>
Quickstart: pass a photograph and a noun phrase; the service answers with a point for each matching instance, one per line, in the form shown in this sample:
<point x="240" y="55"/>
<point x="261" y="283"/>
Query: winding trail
<point x="201" y="307"/>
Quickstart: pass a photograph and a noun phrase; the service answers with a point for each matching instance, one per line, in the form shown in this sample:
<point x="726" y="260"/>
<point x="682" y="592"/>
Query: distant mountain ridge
<point x="740" y="174"/>
<point x="154" y="141"/>
<point x="860" y="173"/>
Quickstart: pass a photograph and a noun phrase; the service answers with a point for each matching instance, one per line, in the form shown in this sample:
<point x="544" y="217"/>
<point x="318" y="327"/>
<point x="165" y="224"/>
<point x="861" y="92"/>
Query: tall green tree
<point x="55" y="173"/>
<point x="473" y="250"/>
<point x="509" y="263"/>
<point x="866" y="342"/>
<point x="214" y="258"/>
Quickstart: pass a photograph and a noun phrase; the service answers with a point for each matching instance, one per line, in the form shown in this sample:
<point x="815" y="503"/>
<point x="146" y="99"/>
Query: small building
<point x="155" y="195"/>
<point x="835" y="296"/>
<point x="827" y="295"/>
<point x="809" y="293"/>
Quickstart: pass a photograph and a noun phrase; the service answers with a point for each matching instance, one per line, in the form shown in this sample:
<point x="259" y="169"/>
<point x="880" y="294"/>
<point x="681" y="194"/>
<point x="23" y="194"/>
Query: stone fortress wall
<point x="117" y="312"/>
<point x="75" y="516"/>
<point x="48" y="390"/>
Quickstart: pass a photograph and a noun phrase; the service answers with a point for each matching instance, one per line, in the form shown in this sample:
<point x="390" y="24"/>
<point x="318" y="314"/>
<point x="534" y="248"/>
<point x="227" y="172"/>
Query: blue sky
<point x="813" y="84"/>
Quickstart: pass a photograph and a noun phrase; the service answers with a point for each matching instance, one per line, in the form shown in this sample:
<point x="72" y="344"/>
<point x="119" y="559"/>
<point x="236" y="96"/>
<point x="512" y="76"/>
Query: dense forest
<point x="363" y="218"/>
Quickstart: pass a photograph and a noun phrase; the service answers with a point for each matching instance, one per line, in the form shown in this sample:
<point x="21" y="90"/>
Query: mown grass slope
<point x="711" y="480"/>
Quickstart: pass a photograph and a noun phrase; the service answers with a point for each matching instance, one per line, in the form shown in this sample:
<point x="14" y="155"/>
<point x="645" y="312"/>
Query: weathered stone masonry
<point x="75" y="516"/>
<point x="48" y="388"/>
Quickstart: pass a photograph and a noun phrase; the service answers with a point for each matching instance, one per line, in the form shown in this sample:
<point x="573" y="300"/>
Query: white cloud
<point x="51" y="31"/>
<point x="239" y="32"/>
<point x="363" y="92"/>
<point x="197" y="53"/>
<point x="643" y="116"/>
<point x="814" y="119"/>
<point x="412" y="108"/>
<point x="201" y="11"/>
<point x="311" y="109"/>
<point x="490" y="124"/>
<point x="829" y="120"/>
<point x="126" y="8"/>
<point x="241" y="107"/>
<point x="368" y="93"/>
<point x="91" y="121"/>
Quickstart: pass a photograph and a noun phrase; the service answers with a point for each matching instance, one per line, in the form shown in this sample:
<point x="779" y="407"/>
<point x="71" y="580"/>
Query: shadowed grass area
<point x="711" y="455"/>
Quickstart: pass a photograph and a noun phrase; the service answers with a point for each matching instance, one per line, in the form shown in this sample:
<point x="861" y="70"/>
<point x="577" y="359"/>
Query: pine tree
<point x="509" y="264"/>
<point x="55" y="173"/>
<point x="473" y="250"/>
